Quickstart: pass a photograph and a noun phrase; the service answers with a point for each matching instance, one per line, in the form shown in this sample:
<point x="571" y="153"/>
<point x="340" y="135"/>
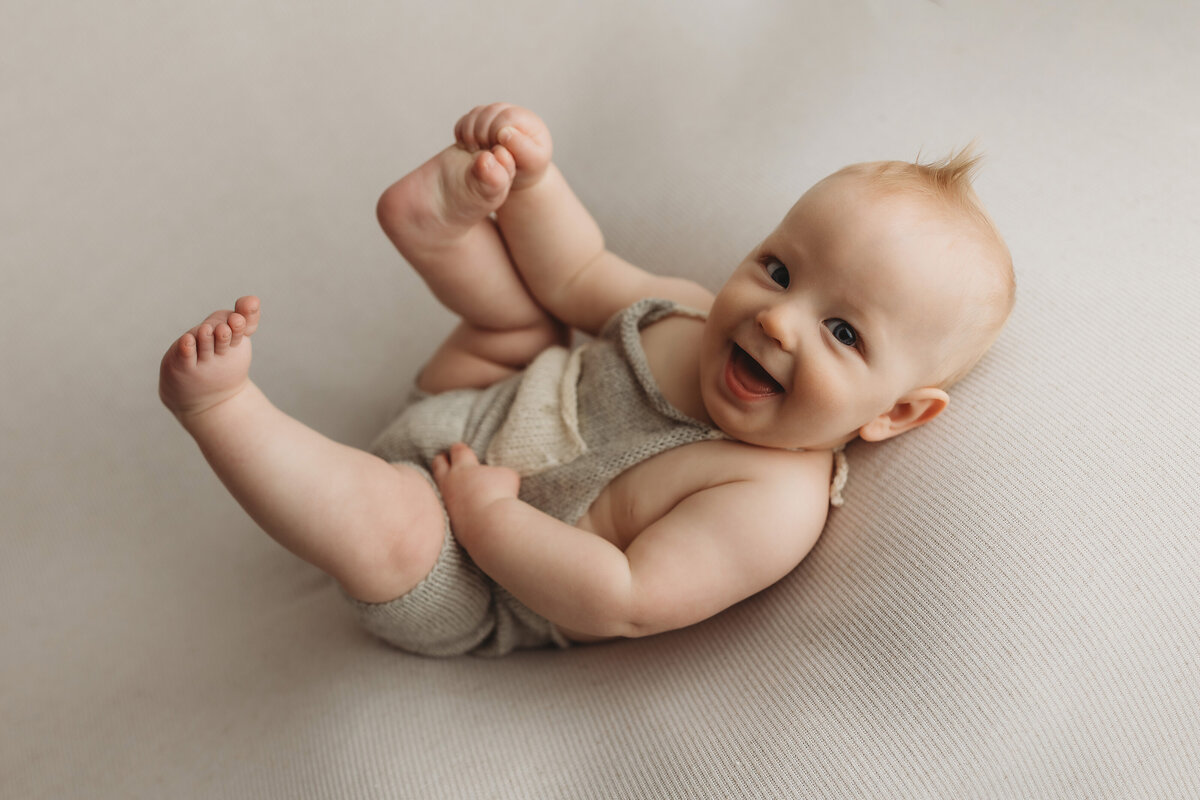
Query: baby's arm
<point x="555" y="243"/>
<point x="716" y="547"/>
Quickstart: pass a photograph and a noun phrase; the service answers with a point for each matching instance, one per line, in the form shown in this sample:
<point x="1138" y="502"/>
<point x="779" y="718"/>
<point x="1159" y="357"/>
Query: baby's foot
<point x="211" y="362"/>
<point x="513" y="129"/>
<point x="446" y="196"/>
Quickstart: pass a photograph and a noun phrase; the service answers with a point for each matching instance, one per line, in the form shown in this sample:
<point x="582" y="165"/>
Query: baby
<point x="680" y="461"/>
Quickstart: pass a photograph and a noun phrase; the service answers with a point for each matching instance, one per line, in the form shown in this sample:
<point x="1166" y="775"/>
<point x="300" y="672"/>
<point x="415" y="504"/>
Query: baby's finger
<point x="524" y="148"/>
<point x="522" y="118"/>
<point x="464" y="129"/>
<point x="439" y="467"/>
<point x="483" y="123"/>
<point x="460" y="454"/>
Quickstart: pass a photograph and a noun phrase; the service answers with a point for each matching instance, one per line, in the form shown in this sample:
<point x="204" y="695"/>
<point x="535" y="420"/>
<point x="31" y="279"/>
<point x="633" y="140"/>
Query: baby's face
<point x="847" y="306"/>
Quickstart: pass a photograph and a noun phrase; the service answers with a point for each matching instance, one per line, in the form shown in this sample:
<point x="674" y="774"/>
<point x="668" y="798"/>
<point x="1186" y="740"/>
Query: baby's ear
<point x="911" y="411"/>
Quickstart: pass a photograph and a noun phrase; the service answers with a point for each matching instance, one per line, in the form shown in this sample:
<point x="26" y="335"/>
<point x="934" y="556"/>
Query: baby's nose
<point x="775" y="324"/>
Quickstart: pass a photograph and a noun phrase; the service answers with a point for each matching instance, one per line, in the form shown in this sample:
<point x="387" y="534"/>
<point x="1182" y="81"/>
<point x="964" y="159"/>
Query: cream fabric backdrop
<point x="1005" y="607"/>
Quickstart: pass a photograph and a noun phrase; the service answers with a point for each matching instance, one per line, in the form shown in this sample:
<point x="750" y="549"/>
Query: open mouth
<point x="747" y="378"/>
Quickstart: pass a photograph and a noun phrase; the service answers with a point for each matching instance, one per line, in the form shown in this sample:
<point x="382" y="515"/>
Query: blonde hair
<point x="947" y="183"/>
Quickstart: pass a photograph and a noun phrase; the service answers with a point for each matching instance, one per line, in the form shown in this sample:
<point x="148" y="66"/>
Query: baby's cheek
<point x="828" y="406"/>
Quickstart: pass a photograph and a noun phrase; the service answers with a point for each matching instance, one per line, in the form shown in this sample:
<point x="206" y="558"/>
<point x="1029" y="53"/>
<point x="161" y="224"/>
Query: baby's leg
<point x="376" y="528"/>
<point x="438" y="216"/>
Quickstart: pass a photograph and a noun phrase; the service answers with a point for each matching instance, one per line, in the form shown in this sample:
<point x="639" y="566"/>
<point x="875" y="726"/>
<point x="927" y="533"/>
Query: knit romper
<point x="569" y="424"/>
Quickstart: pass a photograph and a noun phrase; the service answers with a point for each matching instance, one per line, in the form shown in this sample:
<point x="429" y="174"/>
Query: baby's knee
<point x="384" y="558"/>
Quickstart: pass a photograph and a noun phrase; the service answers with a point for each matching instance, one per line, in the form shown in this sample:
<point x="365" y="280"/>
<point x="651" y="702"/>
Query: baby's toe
<point x="249" y="308"/>
<point x="205" y="344"/>
<point x="505" y="159"/>
<point x="216" y="318"/>
<point x="184" y="352"/>
<point x="237" y="327"/>
<point x="489" y="176"/>
<point x="222" y="335"/>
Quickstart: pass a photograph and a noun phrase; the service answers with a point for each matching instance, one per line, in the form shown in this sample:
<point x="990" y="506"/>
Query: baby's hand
<point x="518" y="130"/>
<point x="469" y="487"/>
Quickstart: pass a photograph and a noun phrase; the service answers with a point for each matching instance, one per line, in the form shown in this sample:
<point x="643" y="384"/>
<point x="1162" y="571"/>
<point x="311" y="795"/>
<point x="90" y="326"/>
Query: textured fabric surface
<point x="456" y="610"/>
<point x="573" y="421"/>
<point x="542" y="430"/>
<point x="1005" y="607"/>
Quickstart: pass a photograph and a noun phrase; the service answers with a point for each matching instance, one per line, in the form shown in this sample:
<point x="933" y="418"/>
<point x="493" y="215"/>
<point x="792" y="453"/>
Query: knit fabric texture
<point x="572" y="422"/>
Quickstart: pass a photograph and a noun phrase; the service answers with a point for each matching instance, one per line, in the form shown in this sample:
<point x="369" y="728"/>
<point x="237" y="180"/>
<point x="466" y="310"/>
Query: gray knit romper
<point x="569" y="424"/>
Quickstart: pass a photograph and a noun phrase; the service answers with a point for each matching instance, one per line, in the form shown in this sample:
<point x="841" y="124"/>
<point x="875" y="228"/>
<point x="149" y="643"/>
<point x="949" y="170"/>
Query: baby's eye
<point x="842" y="331"/>
<point x="777" y="272"/>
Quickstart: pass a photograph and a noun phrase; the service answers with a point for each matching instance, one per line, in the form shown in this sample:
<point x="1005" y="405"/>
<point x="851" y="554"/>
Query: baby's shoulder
<point x="772" y="501"/>
<point x="789" y="477"/>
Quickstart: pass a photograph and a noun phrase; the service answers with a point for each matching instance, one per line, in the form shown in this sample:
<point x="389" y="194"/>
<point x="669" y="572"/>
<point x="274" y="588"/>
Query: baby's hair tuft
<point x="948" y="179"/>
<point x="954" y="173"/>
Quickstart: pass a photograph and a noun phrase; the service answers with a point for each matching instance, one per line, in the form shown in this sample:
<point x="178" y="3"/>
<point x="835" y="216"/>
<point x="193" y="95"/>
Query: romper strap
<point x="841" y="472"/>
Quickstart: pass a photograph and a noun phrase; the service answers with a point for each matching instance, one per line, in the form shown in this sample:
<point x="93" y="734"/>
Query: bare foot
<point x="439" y="217"/>
<point x="500" y="147"/>
<point x="517" y="131"/>
<point x="440" y="201"/>
<point x="211" y="362"/>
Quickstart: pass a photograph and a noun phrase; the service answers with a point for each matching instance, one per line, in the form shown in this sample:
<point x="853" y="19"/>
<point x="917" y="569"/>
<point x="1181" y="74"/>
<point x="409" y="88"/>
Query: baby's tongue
<point x="751" y="374"/>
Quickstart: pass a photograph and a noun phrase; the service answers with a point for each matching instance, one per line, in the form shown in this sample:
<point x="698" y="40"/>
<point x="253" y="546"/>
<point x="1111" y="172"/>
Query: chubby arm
<point x="716" y="547"/>
<point x="554" y="242"/>
<point x="560" y="252"/>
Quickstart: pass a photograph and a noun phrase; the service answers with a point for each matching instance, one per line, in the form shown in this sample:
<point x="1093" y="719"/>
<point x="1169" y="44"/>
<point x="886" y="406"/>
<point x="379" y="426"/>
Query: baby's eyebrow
<point x="765" y="249"/>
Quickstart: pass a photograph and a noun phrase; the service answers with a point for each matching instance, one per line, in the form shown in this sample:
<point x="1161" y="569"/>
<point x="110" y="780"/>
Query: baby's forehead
<point x="856" y="229"/>
<point x="854" y="191"/>
<point x="911" y="207"/>
<point x="891" y="258"/>
<point x="857" y="209"/>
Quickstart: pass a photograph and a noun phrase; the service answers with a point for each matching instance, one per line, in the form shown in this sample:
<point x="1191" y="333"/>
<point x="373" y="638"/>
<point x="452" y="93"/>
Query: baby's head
<point x="880" y="289"/>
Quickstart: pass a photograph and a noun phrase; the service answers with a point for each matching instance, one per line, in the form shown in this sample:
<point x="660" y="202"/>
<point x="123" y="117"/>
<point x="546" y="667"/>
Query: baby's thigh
<point x="474" y="358"/>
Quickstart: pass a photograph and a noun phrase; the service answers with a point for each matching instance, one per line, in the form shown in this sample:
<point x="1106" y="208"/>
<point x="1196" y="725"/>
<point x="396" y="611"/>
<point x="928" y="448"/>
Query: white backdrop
<point x="1005" y="607"/>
